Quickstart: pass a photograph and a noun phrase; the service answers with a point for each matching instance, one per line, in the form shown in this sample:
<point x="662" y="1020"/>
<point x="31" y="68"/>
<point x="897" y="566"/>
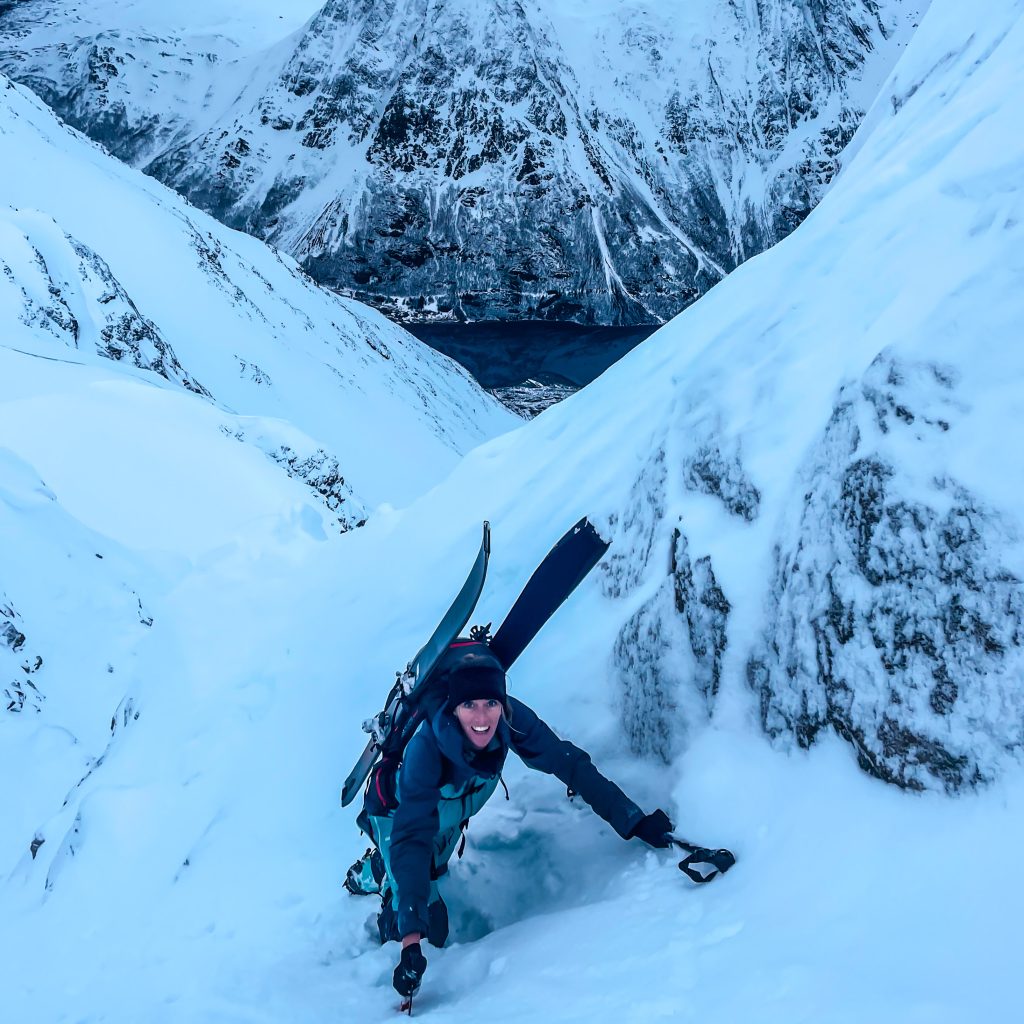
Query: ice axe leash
<point x="719" y="861"/>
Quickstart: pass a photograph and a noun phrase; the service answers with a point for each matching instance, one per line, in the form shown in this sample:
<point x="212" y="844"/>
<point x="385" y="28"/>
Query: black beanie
<point x="476" y="684"/>
<point x="474" y="673"/>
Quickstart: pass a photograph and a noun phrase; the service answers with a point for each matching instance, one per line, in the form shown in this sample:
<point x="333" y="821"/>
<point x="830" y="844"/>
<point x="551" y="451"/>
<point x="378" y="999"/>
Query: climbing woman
<point x="415" y="812"/>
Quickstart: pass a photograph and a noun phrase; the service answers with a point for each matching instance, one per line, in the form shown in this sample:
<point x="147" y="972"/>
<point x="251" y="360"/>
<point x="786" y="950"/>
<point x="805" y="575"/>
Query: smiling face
<point x="479" y="719"/>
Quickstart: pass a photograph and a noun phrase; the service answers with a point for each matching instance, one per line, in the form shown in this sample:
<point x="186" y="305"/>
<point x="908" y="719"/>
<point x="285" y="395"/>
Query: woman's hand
<point x="654" y="830"/>
<point x="410" y="969"/>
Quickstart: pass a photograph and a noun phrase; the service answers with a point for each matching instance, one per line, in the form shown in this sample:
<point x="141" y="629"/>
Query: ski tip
<point x="586" y="525"/>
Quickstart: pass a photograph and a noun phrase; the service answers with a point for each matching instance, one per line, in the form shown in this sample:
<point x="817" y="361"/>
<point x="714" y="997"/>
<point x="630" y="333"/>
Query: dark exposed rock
<point x="317" y="469"/>
<point x="321" y="472"/>
<point x="668" y="656"/>
<point x="9" y="635"/>
<point x="18" y="665"/>
<point x="125" y="714"/>
<point x="894" y="621"/>
<point x="700" y="599"/>
<point x="635" y="530"/>
<point x="117" y="329"/>
<point x="710" y="472"/>
<point x="253" y="372"/>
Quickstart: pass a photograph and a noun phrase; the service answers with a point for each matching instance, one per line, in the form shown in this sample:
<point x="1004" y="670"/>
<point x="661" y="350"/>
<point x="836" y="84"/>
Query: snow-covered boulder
<point x="897" y="606"/>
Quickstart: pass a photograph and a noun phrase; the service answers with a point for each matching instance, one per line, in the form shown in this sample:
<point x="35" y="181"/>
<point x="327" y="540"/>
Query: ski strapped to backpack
<point x="564" y="567"/>
<point x="398" y="706"/>
<point x="719" y="860"/>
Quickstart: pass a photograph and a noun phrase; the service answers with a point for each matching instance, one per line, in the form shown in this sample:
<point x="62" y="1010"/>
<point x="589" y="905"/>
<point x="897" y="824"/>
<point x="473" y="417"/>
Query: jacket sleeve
<point x="534" y="741"/>
<point x="414" y="828"/>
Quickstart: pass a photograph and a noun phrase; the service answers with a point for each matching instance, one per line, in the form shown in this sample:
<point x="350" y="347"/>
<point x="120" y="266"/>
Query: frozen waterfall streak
<point x="646" y="196"/>
<point x="704" y="261"/>
<point x="612" y="280"/>
<point x="610" y="274"/>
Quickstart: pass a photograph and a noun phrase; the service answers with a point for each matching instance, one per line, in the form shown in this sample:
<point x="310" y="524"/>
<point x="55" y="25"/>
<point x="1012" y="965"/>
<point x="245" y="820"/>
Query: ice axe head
<point x="702" y="864"/>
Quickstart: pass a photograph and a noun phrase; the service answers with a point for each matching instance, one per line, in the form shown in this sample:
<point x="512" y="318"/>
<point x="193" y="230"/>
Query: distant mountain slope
<point x="598" y="162"/>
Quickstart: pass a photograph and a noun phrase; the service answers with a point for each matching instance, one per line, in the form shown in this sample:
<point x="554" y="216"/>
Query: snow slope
<point x="170" y="391"/>
<point x="826" y="432"/>
<point x="116" y="261"/>
<point x="147" y="483"/>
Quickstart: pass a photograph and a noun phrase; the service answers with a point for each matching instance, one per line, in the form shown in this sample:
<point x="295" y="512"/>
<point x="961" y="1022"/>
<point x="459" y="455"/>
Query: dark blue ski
<point x="564" y="567"/>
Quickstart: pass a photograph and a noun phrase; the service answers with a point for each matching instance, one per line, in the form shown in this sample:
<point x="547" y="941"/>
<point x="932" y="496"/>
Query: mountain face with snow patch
<point x="601" y="163"/>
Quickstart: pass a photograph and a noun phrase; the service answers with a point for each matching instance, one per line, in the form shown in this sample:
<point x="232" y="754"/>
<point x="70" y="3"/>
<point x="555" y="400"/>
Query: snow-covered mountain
<point x="592" y="161"/>
<point x="811" y="481"/>
<point x="101" y="261"/>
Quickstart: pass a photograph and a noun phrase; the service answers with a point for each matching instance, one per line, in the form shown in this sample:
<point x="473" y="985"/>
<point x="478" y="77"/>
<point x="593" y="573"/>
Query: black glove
<point x="653" y="829"/>
<point x="409" y="972"/>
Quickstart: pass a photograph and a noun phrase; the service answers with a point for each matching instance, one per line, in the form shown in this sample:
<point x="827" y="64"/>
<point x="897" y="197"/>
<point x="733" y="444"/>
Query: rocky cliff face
<point x="894" y="619"/>
<point x="894" y="615"/>
<point x="597" y="163"/>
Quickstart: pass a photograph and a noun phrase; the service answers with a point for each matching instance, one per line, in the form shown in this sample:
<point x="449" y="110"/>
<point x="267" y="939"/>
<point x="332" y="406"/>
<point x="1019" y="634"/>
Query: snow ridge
<point x="138" y="277"/>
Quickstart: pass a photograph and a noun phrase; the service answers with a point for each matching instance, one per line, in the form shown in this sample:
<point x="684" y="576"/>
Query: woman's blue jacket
<point x="439" y="766"/>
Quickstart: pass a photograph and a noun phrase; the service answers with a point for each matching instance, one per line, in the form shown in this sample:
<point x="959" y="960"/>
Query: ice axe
<point x="719" y="860"/>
